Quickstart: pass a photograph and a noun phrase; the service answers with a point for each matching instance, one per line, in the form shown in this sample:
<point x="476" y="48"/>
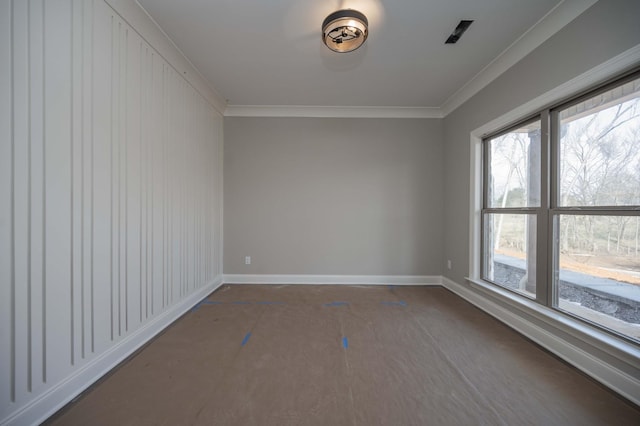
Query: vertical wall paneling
<point x="101" y="296"/>
<point x="7" y="219"/>
<point x="123" y="120"/>
<point x="6" y="209"/>
<point x="20" y="182"/>
<point x="144" y="193"/>
<point x="133" y="193"/>
<point x="167" y="101"/>
<point x="36" y="143"/>
<point x="157" y="192"/>
<point x="57" y="175"/>
<point x="174" y="184"/>
<point x="76" y="181"/>
<point x="86" y="171"/>
<point x="110" y="198"/>
<point x="114" y="174"/>
<point x="217" y="201"/>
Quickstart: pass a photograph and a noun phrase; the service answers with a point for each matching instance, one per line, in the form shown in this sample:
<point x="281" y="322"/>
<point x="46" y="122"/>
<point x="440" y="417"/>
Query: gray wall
<point x="333" y="196"/>
<point x="603" y="31"/>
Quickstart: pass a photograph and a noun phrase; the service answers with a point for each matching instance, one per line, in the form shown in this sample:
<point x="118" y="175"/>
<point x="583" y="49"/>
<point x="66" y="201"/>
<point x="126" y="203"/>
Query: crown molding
<point x="331" y="111"/>
<point x="547" y="26"/>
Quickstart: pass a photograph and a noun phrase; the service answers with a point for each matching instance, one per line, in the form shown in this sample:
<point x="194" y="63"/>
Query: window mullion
<point x="553" y="174"/>
<point x="543" y="283"/>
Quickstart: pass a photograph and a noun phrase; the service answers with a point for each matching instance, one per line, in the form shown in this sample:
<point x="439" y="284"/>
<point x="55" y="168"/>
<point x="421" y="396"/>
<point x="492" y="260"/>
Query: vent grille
<point x="457" y="33"/>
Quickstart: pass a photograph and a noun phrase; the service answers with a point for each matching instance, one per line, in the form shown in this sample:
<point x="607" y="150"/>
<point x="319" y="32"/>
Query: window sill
<point x="593" y="337"/>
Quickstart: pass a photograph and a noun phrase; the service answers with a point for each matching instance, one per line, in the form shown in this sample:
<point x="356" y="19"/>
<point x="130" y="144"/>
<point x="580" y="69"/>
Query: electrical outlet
<point x="448" y="264"/>
<point x="247" y="260"/>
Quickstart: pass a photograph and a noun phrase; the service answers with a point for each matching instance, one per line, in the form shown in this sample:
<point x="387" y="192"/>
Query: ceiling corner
<point x="560" y="16"/>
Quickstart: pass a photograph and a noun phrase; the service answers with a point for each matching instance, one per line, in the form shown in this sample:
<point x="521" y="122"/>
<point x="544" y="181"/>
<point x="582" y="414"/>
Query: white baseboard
<point x="548" y="337"/>
<point x="333" y="279"/>
<point x="45" y="405"/>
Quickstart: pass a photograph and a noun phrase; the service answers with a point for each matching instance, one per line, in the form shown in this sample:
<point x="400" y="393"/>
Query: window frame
<point x="537" y="211"/>
<point x="549" y="212"/>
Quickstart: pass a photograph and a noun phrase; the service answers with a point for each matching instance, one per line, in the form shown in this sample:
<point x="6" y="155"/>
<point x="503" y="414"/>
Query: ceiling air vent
<point x="457" y="33"/>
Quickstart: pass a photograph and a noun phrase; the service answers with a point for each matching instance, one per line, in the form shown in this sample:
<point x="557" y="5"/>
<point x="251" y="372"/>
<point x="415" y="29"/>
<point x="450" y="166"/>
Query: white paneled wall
<point x="110" y="198"/>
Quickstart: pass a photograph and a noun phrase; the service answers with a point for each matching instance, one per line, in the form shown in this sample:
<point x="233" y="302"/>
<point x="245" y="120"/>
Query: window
<point x="512" y="205"/>
<point x="561" y="208"/>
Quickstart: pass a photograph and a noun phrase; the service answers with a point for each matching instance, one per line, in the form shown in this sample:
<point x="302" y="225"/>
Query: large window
<point x="561" y="208"/>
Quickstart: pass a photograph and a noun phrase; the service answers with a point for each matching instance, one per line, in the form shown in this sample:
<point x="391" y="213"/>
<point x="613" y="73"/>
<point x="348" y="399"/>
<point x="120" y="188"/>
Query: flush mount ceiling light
<point x="345" y="30"/>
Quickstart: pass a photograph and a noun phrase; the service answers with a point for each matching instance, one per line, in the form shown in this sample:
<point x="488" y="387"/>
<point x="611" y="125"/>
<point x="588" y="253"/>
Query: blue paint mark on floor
<point x="345" y="343"/>
<point x="399" y="303"/>
<point x="240" y="302"/>
<point x="336" y="304"/>
<point x="246" y="339"/>
<point x="205" y="302"/>
<point x="270" y="303"/>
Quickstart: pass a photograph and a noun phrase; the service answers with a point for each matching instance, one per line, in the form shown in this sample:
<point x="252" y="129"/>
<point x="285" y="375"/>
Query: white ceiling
<point x="269" y="52"/>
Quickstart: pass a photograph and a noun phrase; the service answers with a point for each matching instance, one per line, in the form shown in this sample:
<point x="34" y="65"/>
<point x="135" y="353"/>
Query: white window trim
<point x="606" y="349"/>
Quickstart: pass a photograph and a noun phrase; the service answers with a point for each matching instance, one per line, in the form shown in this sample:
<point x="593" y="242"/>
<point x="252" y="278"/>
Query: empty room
<point x="343" y="212"/>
